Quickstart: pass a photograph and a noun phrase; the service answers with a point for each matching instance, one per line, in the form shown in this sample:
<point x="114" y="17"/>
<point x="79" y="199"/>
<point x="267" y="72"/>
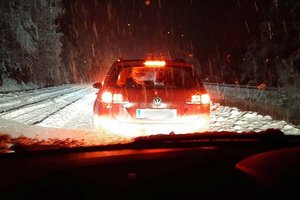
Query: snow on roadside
<point x="12" y="85"/>
<point x="224" y="118"/>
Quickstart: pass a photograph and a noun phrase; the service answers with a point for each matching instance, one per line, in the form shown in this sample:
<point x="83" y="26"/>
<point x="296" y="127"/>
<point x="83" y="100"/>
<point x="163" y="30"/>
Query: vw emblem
<point x="157" y="101"/>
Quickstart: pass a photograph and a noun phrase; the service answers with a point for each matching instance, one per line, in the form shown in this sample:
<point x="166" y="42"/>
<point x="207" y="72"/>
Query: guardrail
<point x="267" y="95"/>
<point x="277" y="102"/>
<point x="242" y="86"/>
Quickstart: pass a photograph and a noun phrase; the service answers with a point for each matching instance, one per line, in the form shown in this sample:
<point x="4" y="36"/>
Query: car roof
<point x="139" y="62"/>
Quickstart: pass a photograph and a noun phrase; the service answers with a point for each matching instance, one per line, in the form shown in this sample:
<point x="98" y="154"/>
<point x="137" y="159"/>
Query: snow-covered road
<point x="65" y="112"/>
<point x="35" y="107"/>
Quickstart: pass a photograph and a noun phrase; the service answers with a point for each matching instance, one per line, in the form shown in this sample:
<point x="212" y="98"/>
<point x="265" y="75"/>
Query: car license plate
<point x="156" y="114"/>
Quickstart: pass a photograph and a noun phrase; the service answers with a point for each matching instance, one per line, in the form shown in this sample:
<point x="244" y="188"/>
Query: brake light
<point x="155" y="63"/>
<point x="106" y="97"/>
<point x="205" y="99"/>
<point x="199" y="99"/>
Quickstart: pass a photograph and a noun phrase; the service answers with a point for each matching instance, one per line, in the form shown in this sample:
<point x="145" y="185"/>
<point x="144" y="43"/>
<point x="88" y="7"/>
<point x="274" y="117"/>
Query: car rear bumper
<point x="132" y="128"/>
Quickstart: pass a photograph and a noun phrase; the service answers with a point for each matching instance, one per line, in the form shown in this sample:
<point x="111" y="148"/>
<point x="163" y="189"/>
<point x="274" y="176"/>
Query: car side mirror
<point x="97" y="85"/>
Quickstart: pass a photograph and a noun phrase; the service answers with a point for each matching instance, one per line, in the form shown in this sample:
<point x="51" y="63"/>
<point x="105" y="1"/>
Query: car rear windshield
<point x="154" y="77"/>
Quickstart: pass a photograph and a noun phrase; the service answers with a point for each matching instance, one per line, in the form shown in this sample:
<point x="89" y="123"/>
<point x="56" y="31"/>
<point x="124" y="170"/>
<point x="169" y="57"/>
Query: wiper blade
<point x="272" y="136"/>
<point x="266" y="134"/>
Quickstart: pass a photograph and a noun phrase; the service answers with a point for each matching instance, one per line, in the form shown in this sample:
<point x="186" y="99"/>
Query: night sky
<point x="105" y="30"/>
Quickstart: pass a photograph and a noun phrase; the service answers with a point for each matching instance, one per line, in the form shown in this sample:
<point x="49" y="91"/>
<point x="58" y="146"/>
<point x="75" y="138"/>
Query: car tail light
<point x="106" y="97"/>
<point x="205" y="99"/>
<point x="199" y="99"/>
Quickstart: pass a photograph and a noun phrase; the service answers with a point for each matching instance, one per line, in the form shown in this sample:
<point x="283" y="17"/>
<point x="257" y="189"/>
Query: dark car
<point x="151" y="96"/>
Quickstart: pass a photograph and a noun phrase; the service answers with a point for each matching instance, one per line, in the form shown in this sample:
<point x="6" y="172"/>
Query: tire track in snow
<point x="9" y="97"/>
<point x="47" y="116"/>
<point x="36" y="99"/>
<point x="39" y="105"/>
<point x="37" y="115"/>
<point x="77" y="115"/>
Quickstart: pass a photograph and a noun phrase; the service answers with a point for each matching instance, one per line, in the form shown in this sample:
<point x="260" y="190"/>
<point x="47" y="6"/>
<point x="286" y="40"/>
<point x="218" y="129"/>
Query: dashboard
<point x="239" y="168"/>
